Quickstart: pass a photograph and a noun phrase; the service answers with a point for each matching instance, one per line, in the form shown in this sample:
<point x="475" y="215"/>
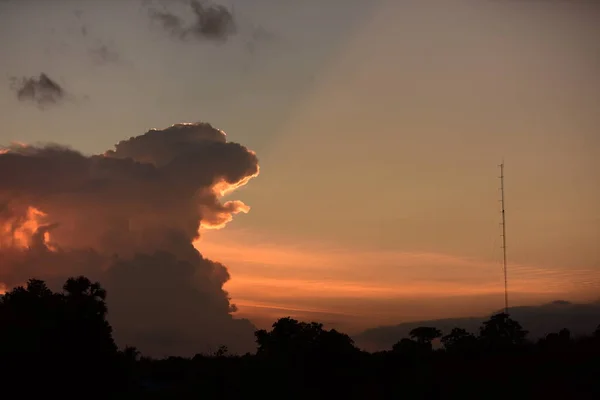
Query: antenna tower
<point x="504" y="262"/>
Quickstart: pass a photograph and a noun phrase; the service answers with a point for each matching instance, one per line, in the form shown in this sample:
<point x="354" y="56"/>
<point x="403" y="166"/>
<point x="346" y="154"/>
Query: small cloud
<point x="169" y="22"/>
<point x="100" y="50"/>
<point x="209" y="21"/>
<point x="43" y="91"/>
<point x="258" y="35"/>
<point x="103" y="54"/>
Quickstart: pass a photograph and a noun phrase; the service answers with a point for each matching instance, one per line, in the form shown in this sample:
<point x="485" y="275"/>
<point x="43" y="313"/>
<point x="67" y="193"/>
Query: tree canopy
<point x="60" y="344"/>
<point x="39" y="327"/>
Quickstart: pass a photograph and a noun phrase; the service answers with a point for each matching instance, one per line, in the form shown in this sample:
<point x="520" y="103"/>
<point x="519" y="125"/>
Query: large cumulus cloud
<point x="128" y="218"/>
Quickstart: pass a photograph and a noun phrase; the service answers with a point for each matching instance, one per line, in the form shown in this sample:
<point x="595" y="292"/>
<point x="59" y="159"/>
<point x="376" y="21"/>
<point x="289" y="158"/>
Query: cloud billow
<point x="128" y="218"/>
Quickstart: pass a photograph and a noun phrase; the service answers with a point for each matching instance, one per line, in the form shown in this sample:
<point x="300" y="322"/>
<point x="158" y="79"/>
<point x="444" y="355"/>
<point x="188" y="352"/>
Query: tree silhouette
<point x="85" y="311"/>
<point x="306" y="355"/>
<point x="59" y="344"/>
<point x="27" y="319"/>
<point x="425" y="334"/>
<point x="420" y="341"/>
<point x="556" y="341"/>
<point x="501" y="332"/>
<point x="39" y="327"/>
<point x="459" y="341"/>
<point x="407" y="347"/>
<point x="300" y="339"/>
<point x="131" y="354"/>
<point x="86" y="293"/>
<point x="222" y="351"/>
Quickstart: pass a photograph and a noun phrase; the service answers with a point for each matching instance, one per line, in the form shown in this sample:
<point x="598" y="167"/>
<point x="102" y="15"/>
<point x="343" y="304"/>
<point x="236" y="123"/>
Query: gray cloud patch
<point x="42" y="90"/>
<point x="209" y="21"/>
<point x="103" y="54"/>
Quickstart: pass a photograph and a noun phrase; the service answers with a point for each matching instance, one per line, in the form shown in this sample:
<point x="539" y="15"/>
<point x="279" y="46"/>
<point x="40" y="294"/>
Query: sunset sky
<point x="379" y="126"/>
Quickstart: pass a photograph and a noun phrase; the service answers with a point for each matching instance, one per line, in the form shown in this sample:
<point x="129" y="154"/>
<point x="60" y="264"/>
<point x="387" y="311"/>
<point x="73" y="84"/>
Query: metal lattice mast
<point x="504" y="260"/>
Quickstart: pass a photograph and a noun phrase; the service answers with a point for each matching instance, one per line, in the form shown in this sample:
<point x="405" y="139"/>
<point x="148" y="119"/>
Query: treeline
<point x="60" y="344"/>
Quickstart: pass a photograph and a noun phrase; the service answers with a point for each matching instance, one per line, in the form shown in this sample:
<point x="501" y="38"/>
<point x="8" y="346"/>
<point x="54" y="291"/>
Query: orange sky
<point x="356" y="287"/>
<point x="378" y="132"/>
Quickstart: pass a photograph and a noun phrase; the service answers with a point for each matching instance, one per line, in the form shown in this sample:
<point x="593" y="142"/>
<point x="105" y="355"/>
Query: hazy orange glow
<point x="276" y="288"/>
<point x="271" y="280"/>
<point x="4" y="150"/>
<point x="19" y="231"/>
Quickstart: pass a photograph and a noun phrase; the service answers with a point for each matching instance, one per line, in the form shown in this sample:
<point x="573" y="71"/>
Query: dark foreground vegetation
<point x="59" y="345"/>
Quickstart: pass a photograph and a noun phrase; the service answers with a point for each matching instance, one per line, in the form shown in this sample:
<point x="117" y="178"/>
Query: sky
<point x="378" y="127"/>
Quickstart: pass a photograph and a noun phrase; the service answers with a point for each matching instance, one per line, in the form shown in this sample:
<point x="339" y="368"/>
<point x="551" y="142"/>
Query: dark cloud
<point x="208" y="21"/>
<point x="42" y="90"/>
<point x="104" y="54"/>
<point x="128" y="218"/>
<point x="581" y="319"/>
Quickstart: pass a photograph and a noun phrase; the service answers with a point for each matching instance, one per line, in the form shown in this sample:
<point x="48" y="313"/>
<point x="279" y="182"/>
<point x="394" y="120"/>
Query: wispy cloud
<point x="275" y="277"/>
